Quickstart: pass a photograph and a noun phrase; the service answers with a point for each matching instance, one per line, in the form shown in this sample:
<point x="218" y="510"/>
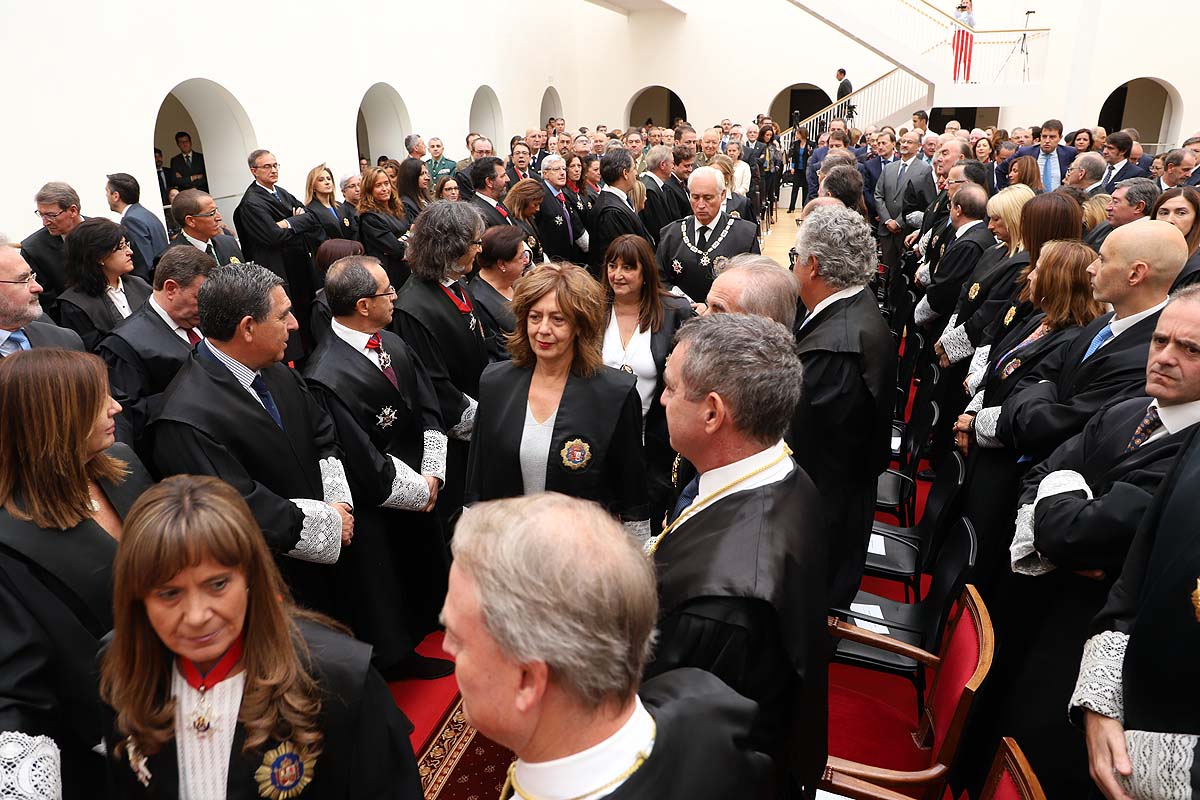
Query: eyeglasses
<point x="553" y="169"/>
<point x="51" y="216"/>
<point x="268" y="166"/>
<point x="477" y="242"/>
<point x="122" y="245"/>
<point x="957" y="182"/>
<point x="212" y="213"/>
<point x="32" y="278"/>
<point x="388" y="292"/>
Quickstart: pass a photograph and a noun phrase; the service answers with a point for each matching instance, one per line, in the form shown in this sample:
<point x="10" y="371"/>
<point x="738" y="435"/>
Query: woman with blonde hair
<point x="383" y="226"/>
<point x="220" y="686"/>
<point x="554" y="418"/>
<point x="319" y="198"/>
<point x="66" y="489"/>
<point x="524" y="200"/>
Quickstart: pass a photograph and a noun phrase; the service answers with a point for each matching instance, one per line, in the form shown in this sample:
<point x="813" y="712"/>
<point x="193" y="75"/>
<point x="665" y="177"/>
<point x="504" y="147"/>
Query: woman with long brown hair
<point x="382" y="224"/>
<point x="1025" y="170"/>
<point x="555" y="418"/>
<point x="66" y="489"/>
<point x="222" y="687"/>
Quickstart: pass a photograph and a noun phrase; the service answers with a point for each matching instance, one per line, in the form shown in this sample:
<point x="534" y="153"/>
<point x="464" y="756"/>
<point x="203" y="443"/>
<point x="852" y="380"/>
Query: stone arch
<point x="487" y="119"/>
<point x="551" y="105"/>
<point x="657" y="103"/>
<point x="382" y="123"/>
<point x="1151" y="105"/>
<point x="806" y="98"/>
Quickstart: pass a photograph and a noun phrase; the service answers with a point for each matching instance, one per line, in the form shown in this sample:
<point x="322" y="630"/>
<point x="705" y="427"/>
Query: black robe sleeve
<point x="76" y="319"/>
<point x="991" y="311"/>
<point x="190" y="452"/>
<point x="378" y="239"/>
<point x="948" y="277"/>
<point x="626" y="465"/>
<point x="383" y="764"/>
<point x="256" y="224"/>
<point x="367" y="468"/>
<point x="127" y="380"/>
<point x="28" y="697"/>
<point x="451" y="402"/>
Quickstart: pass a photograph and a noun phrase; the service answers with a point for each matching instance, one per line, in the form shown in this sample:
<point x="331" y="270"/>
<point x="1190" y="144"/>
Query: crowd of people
<point x="560" y="405"/>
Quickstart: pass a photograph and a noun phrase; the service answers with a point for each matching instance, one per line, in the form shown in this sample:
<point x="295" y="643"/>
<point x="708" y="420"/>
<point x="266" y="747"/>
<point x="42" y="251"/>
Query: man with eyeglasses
<point x="384" y="411"/>
<point x="481" y="147"/>
<point x="273" y="224"/>
<point x="46" y="250"/>
<point x="20" y="328"/>
<point x="559" y="225"/>
<point x="1087" y="173"/>
<point x="201" y="227"/>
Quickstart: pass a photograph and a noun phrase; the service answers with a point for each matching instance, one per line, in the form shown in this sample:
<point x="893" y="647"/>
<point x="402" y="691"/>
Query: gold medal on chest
<point x="974" y="292"/>
<point x="283" y="774"/>
<point x="1008" y="318"/>
<point x="576" y="454"/>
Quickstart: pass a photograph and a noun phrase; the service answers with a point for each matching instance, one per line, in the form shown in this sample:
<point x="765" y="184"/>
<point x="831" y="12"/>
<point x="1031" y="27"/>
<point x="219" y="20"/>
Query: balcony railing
<point x="878" y="100"/>
<point x="998" y="57"/>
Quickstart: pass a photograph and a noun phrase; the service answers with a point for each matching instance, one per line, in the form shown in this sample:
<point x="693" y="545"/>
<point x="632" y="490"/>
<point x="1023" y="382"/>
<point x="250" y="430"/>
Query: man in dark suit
<point x="201" y="227"/>
<point x="273" y="226"/>
<point x="814" y="161"/>
<point x="20" y="328"/>
<point x="1131" y="202"/>
<point x="187" y="168"/>
<point x="890" y="190"/>
<point x="147" y="235"/>
<point x="1117" y="148"/>
<point x="164" y="179"/>
<point x="1178" y="165"/>
<point x="1054" y="159"/>
<point x="145" y="351"/>
<point x="1193" y="144"/>
<point x="1137" y="265"/>
<point x="613" y="214"/>
<point x="675" y="187"/>
<point x="519" y="167"/>
<point x="659" y="208"/>
<point x="46" y="250"/>
<point x="481" y="147"/>
<point x="872" y="169"/>
<point x="558" y="223"/>
<point x="490" y="180"/>
<point x="844" y="89"/>
<point x="1087" y="173"/>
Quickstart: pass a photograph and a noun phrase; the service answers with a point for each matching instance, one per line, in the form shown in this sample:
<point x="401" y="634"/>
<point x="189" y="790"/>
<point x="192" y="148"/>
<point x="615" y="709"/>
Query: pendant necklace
<point x="704" y="259"/>
<point x="201" y="720"/>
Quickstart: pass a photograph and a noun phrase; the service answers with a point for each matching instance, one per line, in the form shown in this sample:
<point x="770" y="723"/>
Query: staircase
<point x="1006" y="64"/>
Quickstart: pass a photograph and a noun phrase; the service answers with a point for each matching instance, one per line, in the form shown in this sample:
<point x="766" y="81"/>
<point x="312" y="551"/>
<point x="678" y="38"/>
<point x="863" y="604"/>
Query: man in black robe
<point x="46" y="250"/>
<point x="841" y="430"/>
<point x="559" y="225"/>
<point x="234" y="412"/>
<point x="491" y="184"/>
<point x="692" y="250"/>
<point x="201" y="227"/>
<point x="1137" y="265"/>
<point x="683" y="160"/>
<point x="660" y="208"/>
<point x="556" y="665"/>
<point x="20" y="309"/>
<point x="273" y="226"/>
<point x="152" y="344"/>
<point x="741" y="564"/>
<point x="613" y="214"/>
<point x="385" y="412"/>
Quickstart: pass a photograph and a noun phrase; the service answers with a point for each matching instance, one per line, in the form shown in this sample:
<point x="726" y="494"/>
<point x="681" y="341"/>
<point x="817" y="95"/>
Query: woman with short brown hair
<point x="208" y="651"/>
<point x="524" y="200"/>
<point x="65" y="489"/>
<point x="554" y="418"/>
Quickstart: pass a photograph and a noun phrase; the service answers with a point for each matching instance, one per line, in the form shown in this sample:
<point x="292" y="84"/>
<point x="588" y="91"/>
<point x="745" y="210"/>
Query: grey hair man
<point x="20" y="308"/>
<point x="414" y="145"/>
<point x="236" y="413"/>
<point x="1087" y="173"/>
<point x="660" y="208"/>
<point x="46" y="250"/>
<point x="1177" y="168"/>
<point x="732" y="383"/>
<point x="755" y="284"/>
<point x="841" y="426"/>
<point x="551" y="668"/>
<point x="1131" y="201"/>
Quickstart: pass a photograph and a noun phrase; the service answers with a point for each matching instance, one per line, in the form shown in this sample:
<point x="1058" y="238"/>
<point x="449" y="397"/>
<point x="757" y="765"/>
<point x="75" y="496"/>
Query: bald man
<point x="1133" y="273"/>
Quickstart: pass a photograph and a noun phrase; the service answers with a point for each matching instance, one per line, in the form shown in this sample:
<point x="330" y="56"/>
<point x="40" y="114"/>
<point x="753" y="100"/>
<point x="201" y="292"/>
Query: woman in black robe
<point x="412" y="187"/>
<point x="436" y="317"/>
<point x="220" y="684"/>
<point x="524" y="200"/>
<point x="336" y="218"/>
<point x="501" y="260"/>
<point x="101" y="291"/>
<point x="383" y="225"/>
<point x="554" y="418"/>
<point x="61" y="518"/>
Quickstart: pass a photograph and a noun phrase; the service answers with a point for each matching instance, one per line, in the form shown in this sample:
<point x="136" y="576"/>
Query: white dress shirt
<point x="358" y="340"/>
<point x="636" y="355"/>
<point x="172" y="324"/>
<point x="841" y="294"/>
<point x="1175" y="418"/>
<point x="203" y="764"/>
<point x="117" y="295"/>
<point x="720" y="477"/>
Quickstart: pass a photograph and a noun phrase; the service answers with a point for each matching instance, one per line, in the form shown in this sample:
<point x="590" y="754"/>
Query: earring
<point x="503" y="269"/>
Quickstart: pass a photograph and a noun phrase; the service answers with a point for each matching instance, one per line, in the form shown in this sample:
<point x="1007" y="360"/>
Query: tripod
<point x="1021" y="47"/>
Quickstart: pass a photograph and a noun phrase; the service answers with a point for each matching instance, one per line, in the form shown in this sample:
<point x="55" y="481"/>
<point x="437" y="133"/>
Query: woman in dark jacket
<point x="412" y="185"/>
<point x="524" y="200"/>
<point x="102" y="292"/>
<point x="337" y="220"/>
<point x="383" y="225"/>
<point x="502" y="259"/>
<point x="555" y="418"/>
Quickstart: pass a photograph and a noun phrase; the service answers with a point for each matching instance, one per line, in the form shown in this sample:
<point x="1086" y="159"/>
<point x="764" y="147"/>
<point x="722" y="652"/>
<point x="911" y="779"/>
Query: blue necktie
<point x="1100" y="338"/>
<point x="1047" y="176"/>
<point x="686" y="497"/>
<point x="16" y="342"/>
<point x="260" y="388"/>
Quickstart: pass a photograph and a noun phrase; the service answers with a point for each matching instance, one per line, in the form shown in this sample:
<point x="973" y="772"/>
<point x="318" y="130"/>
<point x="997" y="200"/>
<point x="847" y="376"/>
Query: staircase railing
<point x="878" y="100"/>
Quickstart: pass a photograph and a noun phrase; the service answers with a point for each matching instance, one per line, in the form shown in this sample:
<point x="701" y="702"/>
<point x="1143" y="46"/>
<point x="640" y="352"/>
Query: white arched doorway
<point x="220" y="130"/>
<point x="805" y="98"/>
<point x="486" y="118"/>
<point x="551" y="106"/>
<point x="658" y="104"/>
<point x="1152" y="106"/>
<point x="383" y="123"/>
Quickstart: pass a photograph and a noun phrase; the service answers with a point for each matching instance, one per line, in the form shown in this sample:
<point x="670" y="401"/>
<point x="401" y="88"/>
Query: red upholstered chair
<point x="1011" y="777"/>
<point x="873" y="742"/>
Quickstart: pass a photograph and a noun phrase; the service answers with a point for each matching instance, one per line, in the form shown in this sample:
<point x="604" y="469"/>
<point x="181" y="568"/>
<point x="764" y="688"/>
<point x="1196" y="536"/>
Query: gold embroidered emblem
<point x="346" y="221"/>
<point x="234" y="260"/>
<point x="1008" y="318"/>
<point x="974" y="292"/>
<point x="576" y="454"/>
<point x="283" y="773"/>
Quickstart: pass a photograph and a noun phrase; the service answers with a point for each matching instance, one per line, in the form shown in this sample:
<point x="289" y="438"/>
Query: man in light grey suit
<point x="147" y="234"/>
<point x="889" y="196"/>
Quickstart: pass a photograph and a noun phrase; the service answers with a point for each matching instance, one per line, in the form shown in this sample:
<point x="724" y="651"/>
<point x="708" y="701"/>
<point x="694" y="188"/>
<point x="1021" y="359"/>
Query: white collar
<point x="1180" y="417"/>
<point x="356" y="339"/>
<point x="1119" y="326"/>
<point x="274" y="191"/>
<point x="199" y="245"/>
<point x="719" y="477"/>
<point x="1094" y="186"/>
<point x="657" y="180"/>
<point x="490" y="201"/>
<point x="908" y="161"/>
<point x="576" y="774"/>
<point x="840" y="294"/>
<point x="624" y="197"/>
<point x="712" y="226"/>
<point x="171" y="323"/>
<point x="118" y="289"/>
<point x="1117" y="166"/>
<point x="966" y="228"/>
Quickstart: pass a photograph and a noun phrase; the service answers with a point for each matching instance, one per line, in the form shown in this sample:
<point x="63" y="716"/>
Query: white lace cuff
<point x="923" y="313"/>
<point x="915" y="219"/>
<point x="410" y="492"/>
<point x="582" y="241"/>
<point x="923" y="270"/>
<point x="975" y="404"/>
<point x="638" y="529"/>
<point x="978" y="368"/>
<point x="1023" y="555"/>
<point x="956" y="344"/>
<point x="30" y="767"/>
<point x="985" y="427"/>
<point x="321" y="533"/>
<point x="1098" y="687"/>
<point x="433" y="459"/>
<point x="334" y="483"/>
<point x="1162" y="765"/>
<point x="462" y="429"/>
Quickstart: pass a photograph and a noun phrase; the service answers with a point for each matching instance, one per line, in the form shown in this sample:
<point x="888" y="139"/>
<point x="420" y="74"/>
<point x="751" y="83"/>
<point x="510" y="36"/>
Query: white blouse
<point x="119" y="299"/>
<point x="204" y="763"/>
<point x="635" y="358"/>
<point x="535" y="451"/>
<point x="741" y="177"/>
